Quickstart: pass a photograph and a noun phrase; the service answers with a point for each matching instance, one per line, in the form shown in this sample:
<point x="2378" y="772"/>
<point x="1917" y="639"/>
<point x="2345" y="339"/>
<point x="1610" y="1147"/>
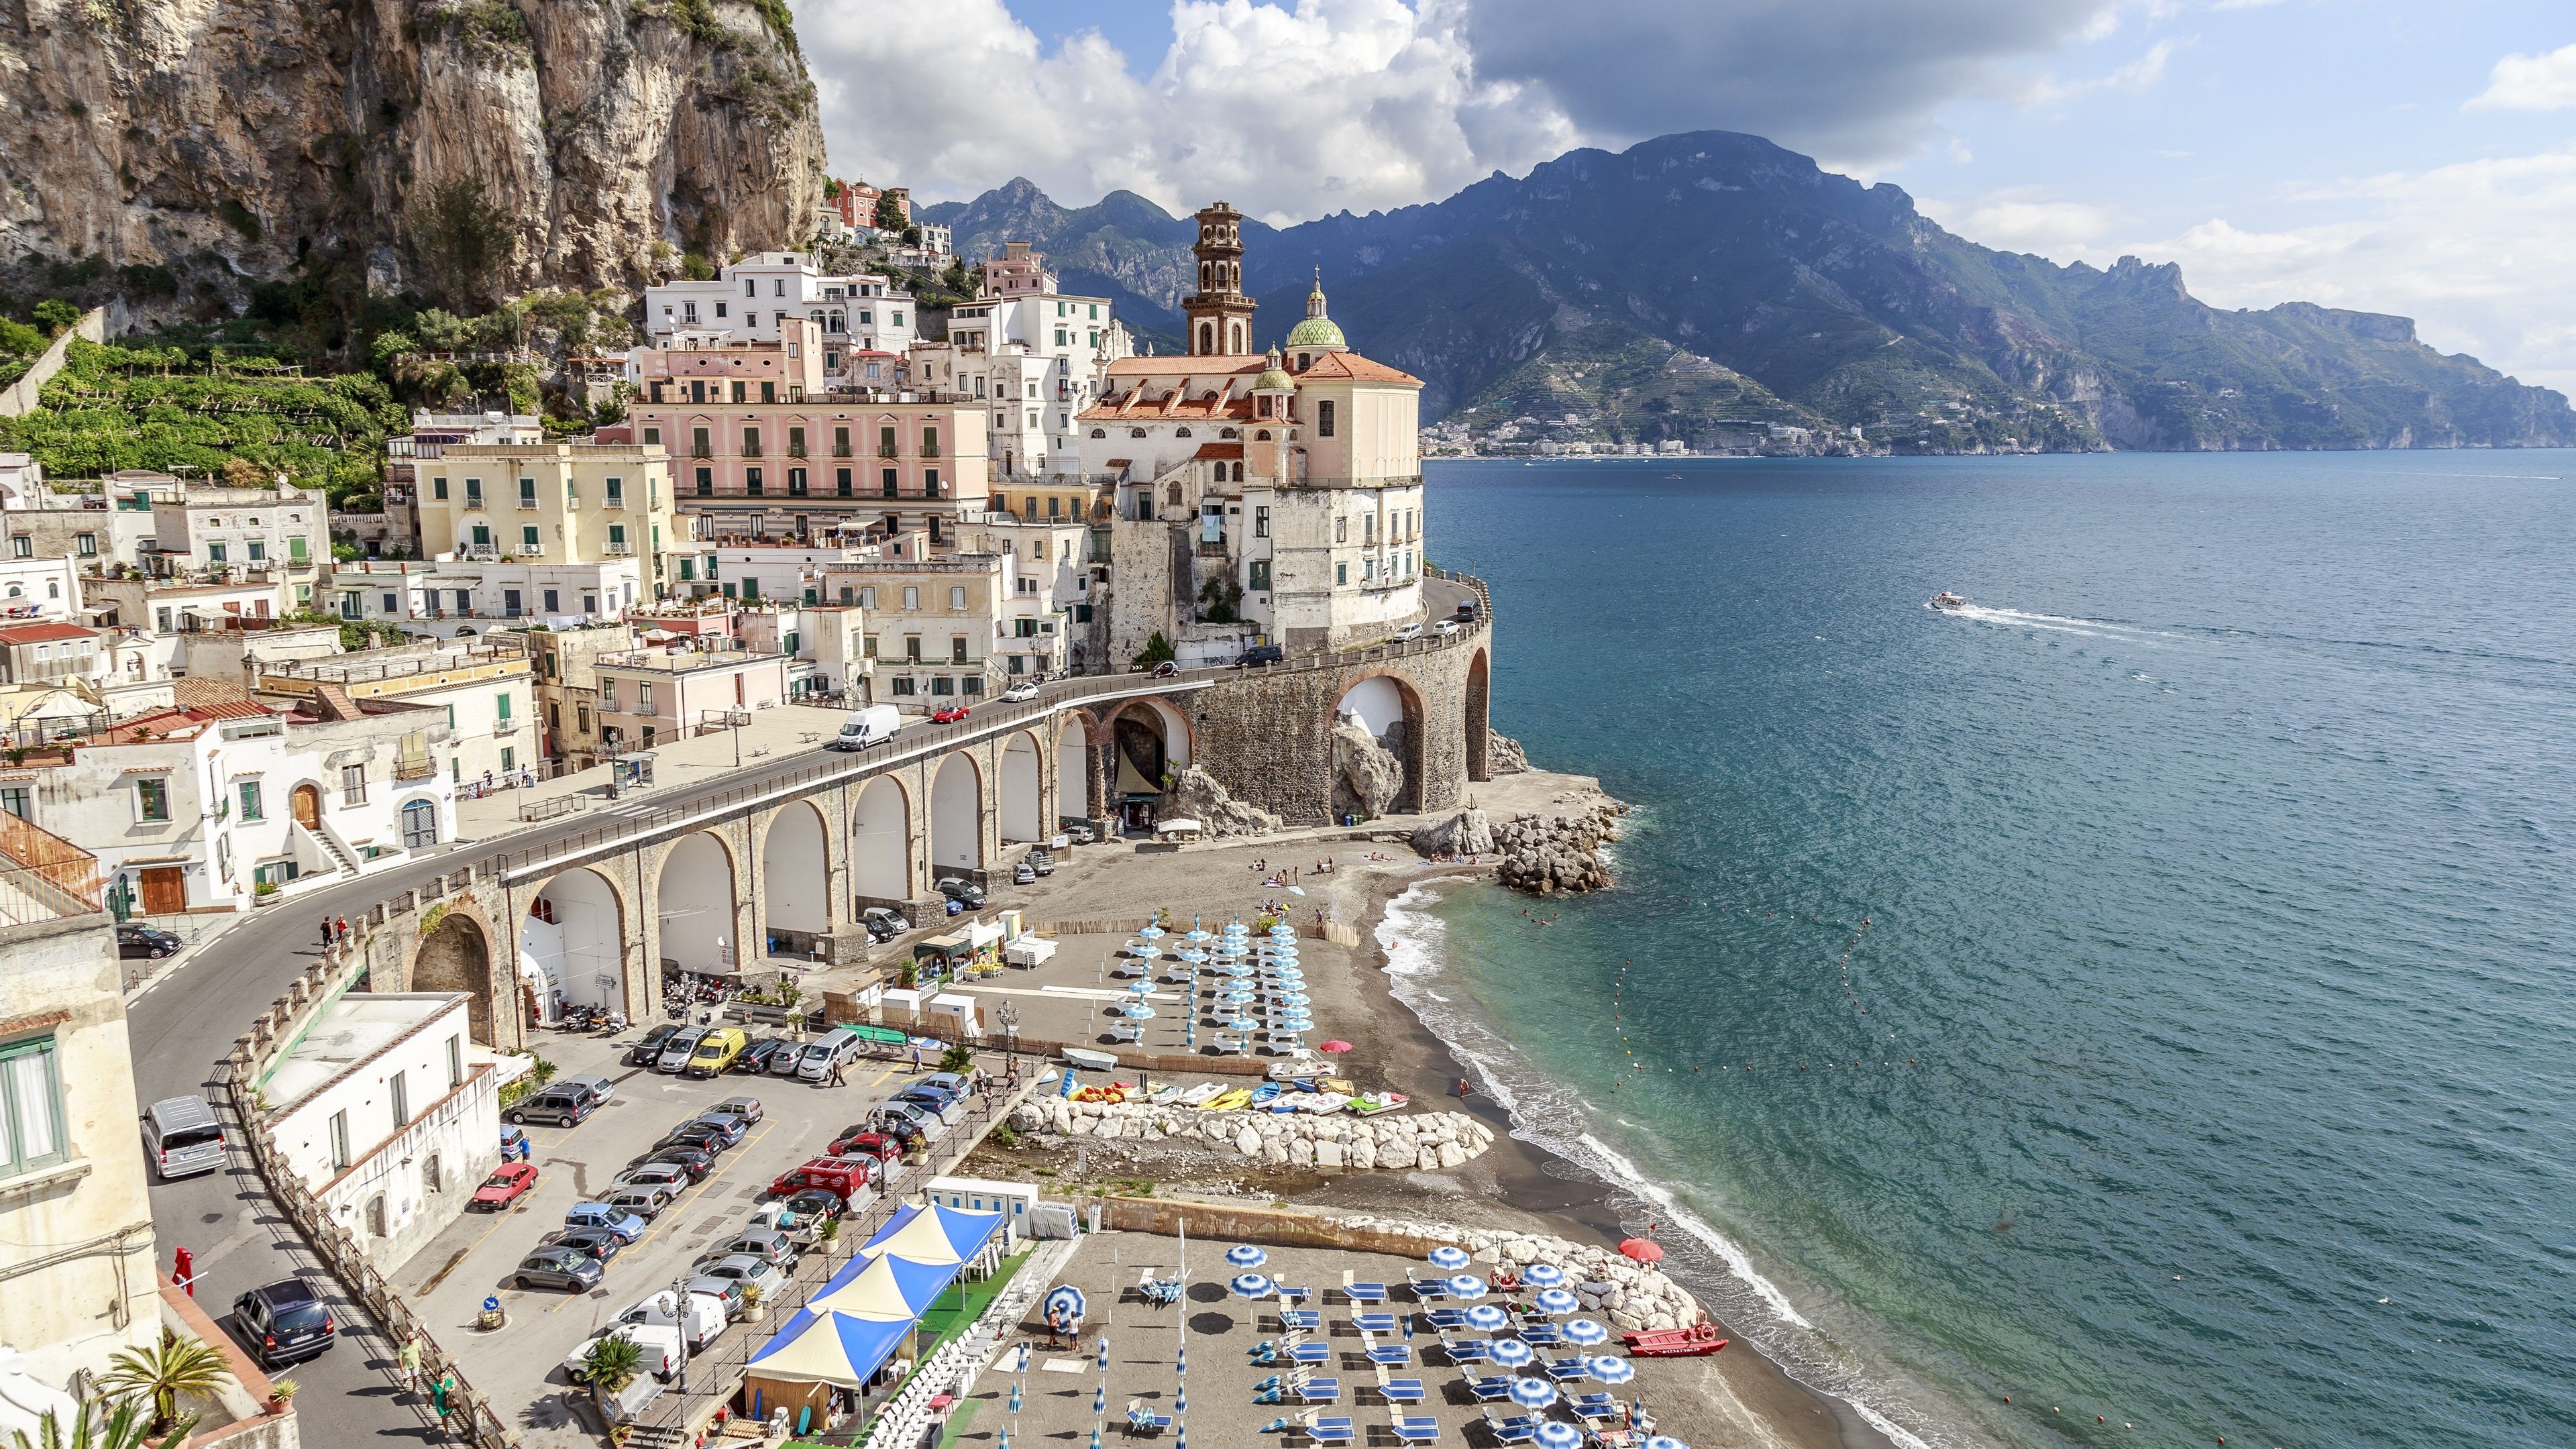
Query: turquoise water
<point x="2217" y="980"/>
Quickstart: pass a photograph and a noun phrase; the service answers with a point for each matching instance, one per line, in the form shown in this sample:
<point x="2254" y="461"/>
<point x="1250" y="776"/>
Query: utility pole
<point x="680" y="1321"/>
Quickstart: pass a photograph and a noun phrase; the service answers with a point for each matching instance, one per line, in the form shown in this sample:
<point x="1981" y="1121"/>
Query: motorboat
<point x="1948" y="602"/>
<point x="1697" y="1341"/>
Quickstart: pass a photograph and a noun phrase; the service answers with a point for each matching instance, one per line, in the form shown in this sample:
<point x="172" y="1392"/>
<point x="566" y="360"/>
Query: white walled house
<point x="750" y="300"/>
<point x="390" y="1112"/>
<point x="1036" y="632"/>
<point x="1032" y="354"/>
<point x="39" y="588"/>
<point x="454" y="597"/>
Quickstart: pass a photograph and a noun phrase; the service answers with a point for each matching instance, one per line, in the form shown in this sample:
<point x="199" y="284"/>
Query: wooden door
<point x="165" y="891"/>
<point x="307" y="800"/>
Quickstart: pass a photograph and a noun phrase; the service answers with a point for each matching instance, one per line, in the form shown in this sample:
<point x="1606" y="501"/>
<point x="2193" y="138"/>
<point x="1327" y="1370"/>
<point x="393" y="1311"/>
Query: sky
<point x="2401" y="156"/>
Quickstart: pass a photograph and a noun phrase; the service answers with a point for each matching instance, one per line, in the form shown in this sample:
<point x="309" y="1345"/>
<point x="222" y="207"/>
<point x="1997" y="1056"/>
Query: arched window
<point x="1305" y="360"/>
<point x="1135" y="432"/>
<point x="1207" y="337"/>
<point x="1238" y="472"/>
<point x="1100" y="432"/>
<point x="1262" y="436"/>
<point x="1172" y="495"/>
<point x="1229" y="432"/>
<point x="1180" y="432"/>
<point x="419" y="825"/>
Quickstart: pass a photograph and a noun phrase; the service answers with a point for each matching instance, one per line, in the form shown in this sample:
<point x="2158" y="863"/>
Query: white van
<point x="706" y="1317"/>
<point x="873" y="725"/>
<point x="840" y="1045"/>
<point x="660" y="1345"/>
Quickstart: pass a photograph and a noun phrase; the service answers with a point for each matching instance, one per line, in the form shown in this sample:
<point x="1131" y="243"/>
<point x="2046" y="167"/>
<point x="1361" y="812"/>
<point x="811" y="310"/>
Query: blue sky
<point x="2337" y="151"/>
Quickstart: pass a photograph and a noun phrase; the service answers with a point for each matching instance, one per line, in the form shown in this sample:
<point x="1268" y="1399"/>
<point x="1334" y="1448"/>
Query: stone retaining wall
<point x="1393" y="1142"/>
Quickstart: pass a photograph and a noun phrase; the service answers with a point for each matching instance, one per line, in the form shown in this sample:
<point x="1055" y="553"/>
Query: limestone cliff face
<point x="229" y="140"/>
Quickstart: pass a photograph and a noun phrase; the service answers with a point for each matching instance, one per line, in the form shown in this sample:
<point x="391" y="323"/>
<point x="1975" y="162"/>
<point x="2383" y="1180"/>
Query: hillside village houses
<point x="755" y="299"/>
<point x="1033" y="353"/>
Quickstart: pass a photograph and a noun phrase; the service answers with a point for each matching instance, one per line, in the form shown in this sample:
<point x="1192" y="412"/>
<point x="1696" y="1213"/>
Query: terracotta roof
<point x="43" y="633"/>
<point x="1219" y="450"/>
<point x="1186" y="366"/>
<point x="199" y="692"/>
<point x="1351" y="367"/>
<point x="231" y="709"/>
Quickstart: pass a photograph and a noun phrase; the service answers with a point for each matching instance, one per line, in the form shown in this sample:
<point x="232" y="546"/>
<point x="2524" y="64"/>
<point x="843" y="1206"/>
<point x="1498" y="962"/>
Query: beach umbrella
<point x="1466" y="1285"/>
<point x="1064" y="1298"/>
<point x="1644" y="1250"/>
<point x="1557" y="1300"/>
<point x="1181" y="1400"/>
<point x="1585" y="1330"/>
<point x="1015" y="1396"/>
<point x="1141" y="1012"/>
<point x="1250" y="1285"/>
<point x="1100" y="1398"/>
<point x="1510" y="1353"/>
<point x="1140" y="988"/>
<point x="1335" y="1046"/>
<point x="1024" y="1359"/>
<point x="1486" y="1317"/>
<point x="1095" y="1436"/>
<point x="1245" y="1255"/>
<point x="1104" y="1353"/>
<point x="1533" y="1393"/>
<point x="1296" y="890"/>
<point x="1296" y="998"/>
<point x="1238" y="969"/>
<point x="1180" y="1436"/>
<point x="1199" y="933"/>
<point x="1151" y="933"/>
<point x="1181" y="1362"/>
<point x="1005" y="1440"/>
<point x="1611" y="1369"/>
<point x="1238" y="996"/>
<point x="1537" y="1275"/>
<point x="1664" y="1441"/>
<point x="1282" y="931"/>
<point x="1243" y="1023"/>
<point x="1147" y="953"/>
<point x="1195" y="958"/>
<point x="1556" y="1434"/>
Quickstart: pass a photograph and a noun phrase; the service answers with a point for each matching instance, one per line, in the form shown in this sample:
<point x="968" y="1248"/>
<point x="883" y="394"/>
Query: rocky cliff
<point x="462" y="150"/>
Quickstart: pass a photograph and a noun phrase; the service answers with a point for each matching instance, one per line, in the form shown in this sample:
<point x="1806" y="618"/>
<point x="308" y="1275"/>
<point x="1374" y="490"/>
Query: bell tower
<point x="1220" y="315"/>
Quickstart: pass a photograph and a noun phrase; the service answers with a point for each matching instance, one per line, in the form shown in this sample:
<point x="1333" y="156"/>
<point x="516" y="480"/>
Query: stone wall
<point x="1267" y="734"/>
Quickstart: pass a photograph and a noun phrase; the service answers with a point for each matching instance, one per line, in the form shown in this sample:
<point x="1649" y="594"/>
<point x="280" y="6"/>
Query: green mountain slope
<point x="1710" y="285"/>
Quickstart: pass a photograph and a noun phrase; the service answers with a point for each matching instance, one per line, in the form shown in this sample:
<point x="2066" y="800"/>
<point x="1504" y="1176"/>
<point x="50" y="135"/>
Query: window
<point x="607" y="693"/>
<point x="509" y="759"/>
<point x="706" y="482"/>
<point x="250" y="801"/>
<point x="796" y="482"/>
<point x="888" y="478"/>
<point x="617" y="538"/>
<point x="152" y="799"/>
<point x="85" y="544"/>
<point x="455" y="1062"/>
<point x="904" y="686"/>
<point x="795" y="441"/>
<point x="868" y="597"/>
<point x="912" y="596"/>
<point x="1341" y="573"/>
<point x="259" y="550"/>
<point x="885" y="442"/>
<point x="1261" y="521"/>
<point x="353" y="784"/>
<point x="768" y="391"/>
<point x="751" y="442"/>
<point x="530" y="539"/>
<point x="473" y="492"/>
<point x="752" y="482"/>
<point x="699" y="447"/>
<point x="840" y="442"/>
<point x="957" y="596"/>
<point x="392" y="605"/>
<point x="419" y="825"/>
<point x="841" y="482"/>
<point x="438" y="488"/>
<point x="31" y="1107"/>
<point x="942" y="684"/>
<point x="1341" y="530"/>
<point x="340" y="1141"/>
<point x="912" y="649"/>
<point x="501" y="705"/>
<point x="1324" y="418"/>
<point x="957" y="649"/>
<point x="741" y="390"/>
<point x="643" y="696"/>
<point x="215" y="553"/>
<point x="17" y="800"/>
<point x="1260" y="576"/>
<point x="527" y="493"/>
<point x="930" y="489"/>
<point x="22" y="545"/>
<point x="553" y="606"/>
<point x="398" y="1089"/>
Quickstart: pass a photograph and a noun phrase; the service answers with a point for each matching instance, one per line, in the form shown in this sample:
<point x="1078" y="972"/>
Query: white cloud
<point x="2530" y="83"/>
<point x="2025" y="220"/>
<point x="2137" y="75"/>
<point x="1288" y="113"/>
<point x="2476" y="252"/>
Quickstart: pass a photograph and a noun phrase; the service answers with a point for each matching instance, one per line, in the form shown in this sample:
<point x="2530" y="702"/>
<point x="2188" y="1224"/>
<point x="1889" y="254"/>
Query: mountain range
<point x="1714" y="288"/>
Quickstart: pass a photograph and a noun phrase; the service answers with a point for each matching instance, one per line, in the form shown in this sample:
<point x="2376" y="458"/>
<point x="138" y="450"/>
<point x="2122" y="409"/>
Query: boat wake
<point x="2048" y="623"/>
<point x="1552" y="1115"/>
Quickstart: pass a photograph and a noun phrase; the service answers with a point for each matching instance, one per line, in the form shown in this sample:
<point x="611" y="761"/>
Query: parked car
<point x="1466" y="610"/>
<point x="745" y="1108"/>
<point x="757" y="1057"/>
<point x="1081" y="834"/>
<point x="815" y="1204"/>
<point x="183" y="1137"/>
<point x="1408" y="633"/>
<point x="597" y="1089"/>
<point x="850" y="1179"/>
<point x="677" y="1048"/>
<point x="904" y="1121"/>
<point x="727" y="1291"/>
<point x="1167" y="670"/>
<point x="1445" y="626"/>
<point x="963" y="891"/>
<point x="839" y="1046"/>
<point x="660" y="1345"/>
<point x="285" y="1322"/>
<point x="864" y="1141"/>
<point x="1019" y="694"/>
<point x="950" y="713"/>
<point x="508" y="1183"/>
<point x="943" y="1105"/>
<point x="646" y="1051"/>
<point x="883" y="924"/>
<point x="769" y="1245"/>
<point x="1024" y="874"/>
<point x="1041" y="862"/>
<point x="947" y="1082"/>
<point x="666" y="1176"/>
<point x="1260" y="654"/>
<point x="143" y="943"/>
<point x="565" y="1268"/>
<point x="728" y="1129"/>
<point x="599" y="1244"/>
<point x="715" y="1052"/>
<point x="744" y="1268"/>
<point x="627" y="1226"/>
<point x="643" y="1202"/>
<point x="563" y="1106"/>
<point x="697" y="1161"/>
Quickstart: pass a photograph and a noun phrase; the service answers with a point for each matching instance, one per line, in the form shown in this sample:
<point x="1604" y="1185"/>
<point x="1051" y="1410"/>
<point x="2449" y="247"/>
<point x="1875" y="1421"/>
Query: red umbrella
<point x="1335" y="1046"/>
<point x="1644" y="1250"/>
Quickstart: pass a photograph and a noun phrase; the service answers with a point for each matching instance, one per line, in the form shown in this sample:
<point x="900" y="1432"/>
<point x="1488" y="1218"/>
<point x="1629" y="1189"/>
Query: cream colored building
<point x="578" y="503"/>
<point x="486" y="688"/>
<point x="933" y="621"/>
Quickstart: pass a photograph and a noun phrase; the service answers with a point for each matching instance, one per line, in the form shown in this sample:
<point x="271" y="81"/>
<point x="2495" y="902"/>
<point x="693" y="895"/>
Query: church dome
<point x="1275" y="378"/>
<point x="1317" y="330"/>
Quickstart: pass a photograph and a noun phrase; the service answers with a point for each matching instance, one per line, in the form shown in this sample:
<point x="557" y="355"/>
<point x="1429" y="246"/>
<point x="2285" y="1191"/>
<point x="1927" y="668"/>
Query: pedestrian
<point x="487" y="782"/>
<point x="341" y="930"/>
<point x="916" y="1054"/>
<point x="326" y="933"/>
<point x="839" y="1072"/>
<point x="409" y="1357"/>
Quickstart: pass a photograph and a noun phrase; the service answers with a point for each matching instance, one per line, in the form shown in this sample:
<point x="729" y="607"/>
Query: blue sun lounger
<point x="1365" y="1292"/>
<point x="1329" y="1431"/>
<point x="1376" y="1322"/>
<point x="1400" y="1391"/>
<point x="1467" y="1350"/>
<point x="1568" y="1370"/>
<point x="1491" y="1388"/>
<point x="1517" y="1429"/>
<point x="1319" y="1391"/>
<point x="1413" y="1430"/>
<point x="1394" y="1355"/>
<point x="1310" y="1352"/>
<point x="1445" y="1318"/>
<point x="1300" y="1318"/>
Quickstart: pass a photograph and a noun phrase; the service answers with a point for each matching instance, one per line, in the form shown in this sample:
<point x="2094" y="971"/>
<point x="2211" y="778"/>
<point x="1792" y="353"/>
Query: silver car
<point x="677" y="1051"/>
<point x="749" y="1271"/>
<point x="643" y="1202"/>
<point x="769" y="1245"/>
<point x="669" y="1177"/>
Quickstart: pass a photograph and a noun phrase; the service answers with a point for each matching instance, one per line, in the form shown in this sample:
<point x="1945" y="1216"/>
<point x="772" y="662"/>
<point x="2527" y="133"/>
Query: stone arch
<point x="1393" y="715"/>
<point x="956" y="814"/>
<point x="1077" y="759"/>
<point x="1479" y="718"/>
<point x="881" y="842"/>
<point x="694" y="904"/>
<point x="572" y="941"/>
<point x="456" y="955"/>
<point x="795" y="878"/>
<point x="1148" y="739"/>
<point x="1019" y="791"/>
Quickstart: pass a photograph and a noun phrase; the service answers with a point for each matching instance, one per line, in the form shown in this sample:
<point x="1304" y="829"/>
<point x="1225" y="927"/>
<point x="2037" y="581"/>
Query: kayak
<point x="1232" y="1101"/>
<point x="1200" y="1095"/>
<point x="1372" y="1103"/>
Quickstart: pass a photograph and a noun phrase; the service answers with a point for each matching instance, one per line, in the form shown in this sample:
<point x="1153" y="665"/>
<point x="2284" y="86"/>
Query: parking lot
<point x="520" y="1364"/>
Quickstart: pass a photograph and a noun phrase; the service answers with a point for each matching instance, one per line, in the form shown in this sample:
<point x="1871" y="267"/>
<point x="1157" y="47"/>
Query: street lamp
<point x="740" y="720"/>
<point x="680" y="1321"/>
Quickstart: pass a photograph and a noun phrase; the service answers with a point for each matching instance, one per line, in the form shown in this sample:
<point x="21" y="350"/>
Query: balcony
<point x="410" y="768"/>
<point x="619" y="550"/>
<point x="483" y="552"/>
<point x="613" y="500"/>
<point x="572" y="504"/>
<point x="474" y="503"/>
<point x="527" y="505"/>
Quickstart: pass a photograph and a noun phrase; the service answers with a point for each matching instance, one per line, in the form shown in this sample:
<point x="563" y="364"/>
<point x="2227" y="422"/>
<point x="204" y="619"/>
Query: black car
<point x="758" y="1057"/>
<point x="817" y="1204"/>
<point x="569" y="1269"/>
<point x="698" y="1160"/>
<point x="1260" y="654"/>
<point x="964" y="892"/>
<point x="285" y="1322"/>
<point x="705" y="1136"/>
<point x="643" y="1052"/>
<point x="142" y="943"/>
<point x="599" y="1244"/>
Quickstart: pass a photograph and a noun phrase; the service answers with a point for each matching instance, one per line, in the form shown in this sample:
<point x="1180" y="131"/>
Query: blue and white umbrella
<point x="1146" y="953"/>
<point x="1296" y="998"/>
<point x="1585" y="1330"/>
<point x="1180" y="1436"/>
<point x="1243" y="1023"/>
<point x="1245" y="1255"/>
<point x="1665" y="1441"/>
<point x="1063" y="1300"/>
<point x="1140" y="988"/>
<point x="1533" y="1393"/>
<point x="1486" y="1317"/>
<point x="1181" y="1400"/>
<point x="1555" y="1301"/>
<point x="1611" y="1369"/>
<point x="1199" y="933"/>
<point x="1005" y="1441"/>
<point x="1141" y="1012"/>
<point x="1181" y="1362"/>
<point x="1282" y="932"/>
<point x="1556" y="1434"/>
<point x="1448" y="1258"/>
<point x="1195" y="958"/>
<point x="1151" y="933"/>
<point x="1015" y="1396"/>
<point x="1466" y="1285"/>
<point x="1238" y="998"/>
<point x="1100" y="1398"/>
<point x="1250" y="1285"/>
<point x="1104" y="1353"/>
<point x="1511" y="1353"/>
<point x="1543" y="1275"/>
<point x="1024" y="1353"/>
<point x="1238" y="969"/>
<point x="1095" y="1436"/>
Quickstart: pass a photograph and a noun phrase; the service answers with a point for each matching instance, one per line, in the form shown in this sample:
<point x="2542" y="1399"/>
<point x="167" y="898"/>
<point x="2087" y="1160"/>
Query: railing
<point x="414" y="769"/>
<point x="42" y="875"/>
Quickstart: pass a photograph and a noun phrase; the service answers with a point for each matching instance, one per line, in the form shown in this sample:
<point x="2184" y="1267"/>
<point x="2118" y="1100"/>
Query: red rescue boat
<point x="1697" y="1341"/>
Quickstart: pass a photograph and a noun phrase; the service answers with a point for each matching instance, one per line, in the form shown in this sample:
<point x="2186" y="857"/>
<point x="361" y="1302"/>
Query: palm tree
<point x="165" y="1372"/>
<point x="122" y="1428"/>
<point x="613" y="1362"/>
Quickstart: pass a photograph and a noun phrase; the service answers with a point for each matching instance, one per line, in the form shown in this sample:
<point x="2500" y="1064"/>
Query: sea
<point x="2135" y="1009"/>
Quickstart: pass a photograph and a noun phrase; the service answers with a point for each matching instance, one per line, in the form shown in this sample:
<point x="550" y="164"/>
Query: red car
<point x="869" y="1144"/>
<point x="507" y="1184"/>
<point x="948" y="715"/>
<point x="842" y="1177"/>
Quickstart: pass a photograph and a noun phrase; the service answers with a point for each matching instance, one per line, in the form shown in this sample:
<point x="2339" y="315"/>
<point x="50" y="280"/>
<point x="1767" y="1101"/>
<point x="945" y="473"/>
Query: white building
<point x="454" y="597"/>
<point x="39" y="588"/>
<point x="1035" y="632"/>
<point x="484" y="689"/>
<point x="217" y="533"/>
<point x="750" y="300"/>
<point x="776" y="572"/>
<point x="1031" y="352"/>
<point x="390" y="1113"/>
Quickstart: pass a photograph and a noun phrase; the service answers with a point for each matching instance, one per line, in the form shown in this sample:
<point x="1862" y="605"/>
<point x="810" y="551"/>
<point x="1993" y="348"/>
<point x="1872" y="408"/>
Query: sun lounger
<point x="1399" y="1391"/>
<point x="1141" y="1418"/>
<point x="1126" y="1031"/>
<point x="1363" y="1292"/>
<point x="1539" y="1332"/>
<point x="1427" y="1289"/>
<point x="1311" y="1353"/>
<point x="1300" y="1318"/>
<point x="1445" y="1318"/>
<point x="1395" y="1354"/>
<point x="1319" y="1391"/>
<point x="1466" y="1350"/>
<point x="1491" y="1388"/>
<point x="1375" y="1322"/>
<point x="1595" y="1406"/>
<point x="1568" y="1370"/>
<point x="1335" y="1430"/>
<point x="1414" y="1430"/>
<point x="1514" y="1429"/>
<point x="1288" y="1294"/>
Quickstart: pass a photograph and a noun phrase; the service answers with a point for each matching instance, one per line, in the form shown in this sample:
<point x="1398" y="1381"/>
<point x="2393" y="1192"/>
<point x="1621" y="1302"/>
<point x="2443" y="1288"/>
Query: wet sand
<point x="1739" y="1398"/>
